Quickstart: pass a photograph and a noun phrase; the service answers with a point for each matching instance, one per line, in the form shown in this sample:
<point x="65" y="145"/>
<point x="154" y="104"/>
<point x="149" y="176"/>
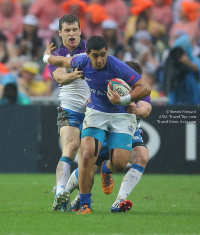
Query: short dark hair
<point x="135" y="66"/>
<point x="69" y="19"/>
<point x="96" y="43"/>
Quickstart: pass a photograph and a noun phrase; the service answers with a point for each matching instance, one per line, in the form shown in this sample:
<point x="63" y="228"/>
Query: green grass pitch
<point x="163" y="204"/>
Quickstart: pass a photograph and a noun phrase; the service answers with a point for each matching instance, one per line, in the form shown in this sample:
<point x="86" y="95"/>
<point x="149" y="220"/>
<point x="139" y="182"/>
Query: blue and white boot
<point x="121" y="206"/>
<point x="61" y="200"/>
<point x="75" y="204"/>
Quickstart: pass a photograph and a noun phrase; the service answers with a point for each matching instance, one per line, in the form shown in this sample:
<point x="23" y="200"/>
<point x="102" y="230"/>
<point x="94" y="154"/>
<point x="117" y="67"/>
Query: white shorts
<point x="112" y="122"/>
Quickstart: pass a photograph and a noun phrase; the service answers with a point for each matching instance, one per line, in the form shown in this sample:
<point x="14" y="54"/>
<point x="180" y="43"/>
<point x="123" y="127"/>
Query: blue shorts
<point x="67" y="117"/>
<point x="137" y="139"/>
<point x="114" y="140"/>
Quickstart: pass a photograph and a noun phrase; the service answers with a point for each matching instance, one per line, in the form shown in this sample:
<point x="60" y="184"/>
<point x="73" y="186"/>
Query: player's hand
<point x="49" y="48"/>
<point x="77" y="74"/>
<point x="132" y="108"/>
<point x="113" y="97"/>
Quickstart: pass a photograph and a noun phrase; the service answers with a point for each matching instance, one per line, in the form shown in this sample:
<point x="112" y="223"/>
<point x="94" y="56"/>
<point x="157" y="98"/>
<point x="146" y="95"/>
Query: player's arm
<point x="142" y="109"/>
<point x="64" y="78"/>
<point x="58" y="61"/>
<point x="140" y="90"/>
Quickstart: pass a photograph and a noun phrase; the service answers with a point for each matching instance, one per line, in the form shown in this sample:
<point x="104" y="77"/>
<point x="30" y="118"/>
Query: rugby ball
<point x="119" y="86"/>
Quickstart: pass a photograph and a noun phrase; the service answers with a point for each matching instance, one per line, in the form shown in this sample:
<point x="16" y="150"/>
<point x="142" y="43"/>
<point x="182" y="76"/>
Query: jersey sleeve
<point x="51" y="67"/>
<point x="78" y="61"/>
<point x="126" y="73"/>
<point x="145" y="99"/>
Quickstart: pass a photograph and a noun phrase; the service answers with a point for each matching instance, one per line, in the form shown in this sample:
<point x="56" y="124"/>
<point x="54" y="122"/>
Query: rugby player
<point x="138" y="159"/>
<point x="105" y="114"/>
<point x="74" y="93"/>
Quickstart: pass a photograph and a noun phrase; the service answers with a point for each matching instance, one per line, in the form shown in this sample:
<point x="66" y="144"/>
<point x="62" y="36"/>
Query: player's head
<point x="69" y="31"/>
<point x="135" y="66"/>
<point x="97" y="51"/>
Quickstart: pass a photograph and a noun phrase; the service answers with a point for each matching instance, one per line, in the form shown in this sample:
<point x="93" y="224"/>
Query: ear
<point x="80" y="33"/>
<point x="60" y="33"/>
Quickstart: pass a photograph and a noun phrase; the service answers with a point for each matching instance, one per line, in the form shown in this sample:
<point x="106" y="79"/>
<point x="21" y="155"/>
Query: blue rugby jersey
<point x="98" y="79"/>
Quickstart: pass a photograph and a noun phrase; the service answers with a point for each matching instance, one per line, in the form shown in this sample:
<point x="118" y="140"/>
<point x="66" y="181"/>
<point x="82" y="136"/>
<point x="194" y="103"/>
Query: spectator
<point x="188" y="24"/>
<point x="110" y="32"/>
<point x="117" y="10"/>
<point x="95" y="15"/>
<point x="162" y="13"/>
<point x="10" y="93"/>
<point x="75" y="7"/>
<point x="6" y="50"/>
<point x="182" y="73"/>
<point x="177" y="8"/>
<point x="54" y="26"/>
<point x="11" y="22"/>
<point x="46" y="11"/>
<point x="28" y="83"/>
<point x="29" y="43"/>
<point x="142" y="8"/>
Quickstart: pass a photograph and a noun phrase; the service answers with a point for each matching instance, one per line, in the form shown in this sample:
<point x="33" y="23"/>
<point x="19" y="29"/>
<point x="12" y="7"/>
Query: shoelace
<point x="82" y="209"/>
<point x="106" y="180"/>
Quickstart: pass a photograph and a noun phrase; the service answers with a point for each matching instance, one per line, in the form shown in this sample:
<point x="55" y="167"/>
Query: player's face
<point x="98" y="58"/>
<point x="70" y="35"/>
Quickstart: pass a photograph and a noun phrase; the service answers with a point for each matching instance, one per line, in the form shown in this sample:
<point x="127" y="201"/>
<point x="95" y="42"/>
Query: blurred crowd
<point x="163" y="36"/>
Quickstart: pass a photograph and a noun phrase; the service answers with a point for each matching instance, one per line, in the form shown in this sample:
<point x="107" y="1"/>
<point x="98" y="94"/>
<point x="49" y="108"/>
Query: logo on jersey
<point x="98" y="92"/>
<point x="131" y="79"/>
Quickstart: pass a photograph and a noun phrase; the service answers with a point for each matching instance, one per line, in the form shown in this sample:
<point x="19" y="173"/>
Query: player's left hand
<point x="132" y="108"/>
<point x="49" y="48"/>
<point x="113" y="97"/>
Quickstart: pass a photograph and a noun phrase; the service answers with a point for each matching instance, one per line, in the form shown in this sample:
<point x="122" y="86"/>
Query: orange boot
<point x="84" y="210"/>
<point x="107" y="182"/>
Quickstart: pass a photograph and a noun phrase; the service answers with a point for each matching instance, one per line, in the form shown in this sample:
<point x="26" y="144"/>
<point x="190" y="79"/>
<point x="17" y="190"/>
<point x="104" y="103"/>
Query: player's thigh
<point x="139" y="155"/>
<point x="70" y="137"/>
<point x="120" y="145"/>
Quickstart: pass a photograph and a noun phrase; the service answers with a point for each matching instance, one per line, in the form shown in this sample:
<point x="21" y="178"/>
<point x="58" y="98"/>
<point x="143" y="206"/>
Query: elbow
<point x="148" y="89"/>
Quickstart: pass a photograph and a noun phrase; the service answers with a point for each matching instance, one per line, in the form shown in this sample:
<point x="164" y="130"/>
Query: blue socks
<point x="67" y="160"/>
<point x="138" y="167"/>
<point x="104" y="169"/>
<point x="85" y="199"/>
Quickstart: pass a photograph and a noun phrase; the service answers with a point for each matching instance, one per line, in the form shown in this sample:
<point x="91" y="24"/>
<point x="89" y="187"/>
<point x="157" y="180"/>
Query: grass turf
<point x="163" y="204"/>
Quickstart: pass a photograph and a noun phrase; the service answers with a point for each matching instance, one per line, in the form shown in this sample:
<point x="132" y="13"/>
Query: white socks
<point x="129" y="181"/>
<point x="62" y="175"/>
<point x="72" y="183"/>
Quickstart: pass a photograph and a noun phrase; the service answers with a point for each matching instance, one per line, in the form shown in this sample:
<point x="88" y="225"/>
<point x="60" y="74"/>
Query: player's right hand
<point x="78" y="74"/>
<point x="49" y="48"/>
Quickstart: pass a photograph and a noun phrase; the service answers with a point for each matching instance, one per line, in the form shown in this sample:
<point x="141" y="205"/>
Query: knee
<point x="140" y="156"/>
<point x="120" y="166"/>
<point x="86" y="159"/>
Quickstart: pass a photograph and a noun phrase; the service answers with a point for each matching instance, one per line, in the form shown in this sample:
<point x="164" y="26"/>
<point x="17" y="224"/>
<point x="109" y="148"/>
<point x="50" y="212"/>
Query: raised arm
<point x="59" y="61"/>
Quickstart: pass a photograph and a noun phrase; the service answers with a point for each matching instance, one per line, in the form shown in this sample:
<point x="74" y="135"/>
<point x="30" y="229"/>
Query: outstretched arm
<point x="59" y="61"/>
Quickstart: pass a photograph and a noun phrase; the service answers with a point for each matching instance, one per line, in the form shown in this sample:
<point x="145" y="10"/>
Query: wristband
<point x="45" y="59"/>
<point x="125" y="100"/>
